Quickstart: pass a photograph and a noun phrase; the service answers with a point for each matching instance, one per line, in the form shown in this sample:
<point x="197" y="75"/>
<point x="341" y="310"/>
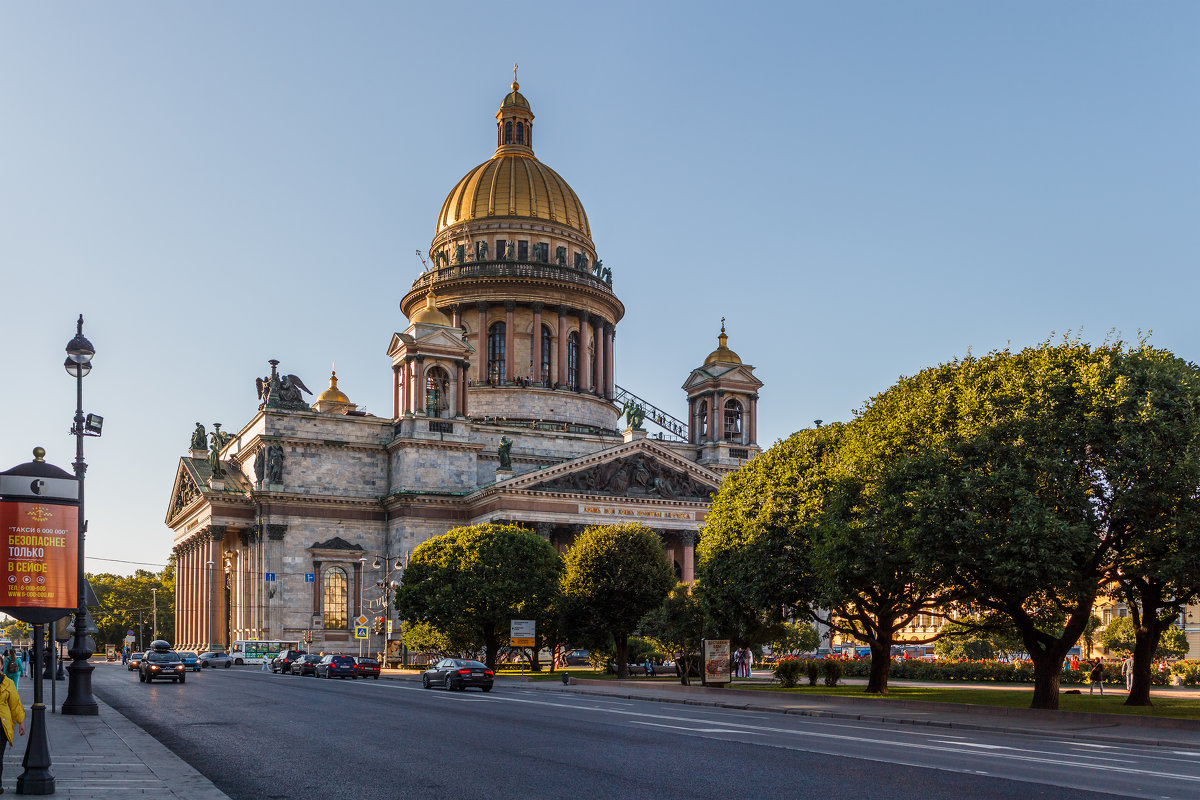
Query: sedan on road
<point x="365" y="667"/>
<point x="215" y="658"/>
<point x="306" y="665"/>
<point x="458" y="673"/>
<point x="282" y="663"/>
<point x="135" y="661"/>
<point x="159" y="665"/>
<point x="190" y="660"/>
<point x="336" y="666"/>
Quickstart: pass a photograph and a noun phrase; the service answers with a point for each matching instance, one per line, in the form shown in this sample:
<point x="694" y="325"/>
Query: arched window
<point x="573" y="361"/>
<point x="335" y="599"/>
<point x="702" y="419"/>
<point x="437" y="385"/>
<point x="496" y="353"/>
<point x="547" y="352"/>
<point x="508" y="132"/>
<point x="520" y="132"/>
<point x="733" y="421"/>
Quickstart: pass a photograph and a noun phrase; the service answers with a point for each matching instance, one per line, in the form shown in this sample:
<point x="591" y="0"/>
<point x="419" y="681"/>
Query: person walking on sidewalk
<point x="11" y="711"/>
<point x="1097" y="676"/>
<point x="1127" y="671"/>
<point x="12" y="668"/>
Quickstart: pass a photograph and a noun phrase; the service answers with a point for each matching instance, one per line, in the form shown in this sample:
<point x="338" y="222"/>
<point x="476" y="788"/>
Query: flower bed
<point x="998" y="671"/>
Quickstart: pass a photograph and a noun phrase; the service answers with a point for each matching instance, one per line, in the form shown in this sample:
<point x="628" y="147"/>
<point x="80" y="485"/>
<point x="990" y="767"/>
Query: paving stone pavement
<point x="104" y="756"/>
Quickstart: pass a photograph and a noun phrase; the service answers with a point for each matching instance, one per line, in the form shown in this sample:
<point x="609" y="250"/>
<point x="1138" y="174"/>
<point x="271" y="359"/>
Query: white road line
<point x="687" y="729"/>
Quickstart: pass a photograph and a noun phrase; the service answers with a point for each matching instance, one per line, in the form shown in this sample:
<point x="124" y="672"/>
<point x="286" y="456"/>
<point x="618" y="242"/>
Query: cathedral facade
<point x="505" y="408"/>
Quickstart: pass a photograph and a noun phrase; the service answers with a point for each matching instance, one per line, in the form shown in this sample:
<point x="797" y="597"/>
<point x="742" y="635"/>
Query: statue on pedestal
<point x="504" y="451"/>
<point x="199" y="438"/>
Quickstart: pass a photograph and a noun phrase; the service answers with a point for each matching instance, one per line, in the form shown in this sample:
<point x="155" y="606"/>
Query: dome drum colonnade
<point x="539" y="314"/>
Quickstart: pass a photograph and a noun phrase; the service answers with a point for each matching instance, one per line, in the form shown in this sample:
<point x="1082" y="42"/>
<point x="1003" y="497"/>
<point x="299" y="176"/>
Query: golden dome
<point x="333" y="394"/>
<point x="429" y="315"/>
<point x="722" y="355"/>
<point x="513" y="183"/>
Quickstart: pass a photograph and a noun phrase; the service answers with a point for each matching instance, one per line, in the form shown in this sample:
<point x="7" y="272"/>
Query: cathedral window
<point x="335" y="600"/>
<point x="547" y="352"/>
<point x="437" y="385"/>
<point x="500" y="244"/>
<point x="573" y="361"/>
<point x="496" y="353"/>
<point x="508" y="132"/>
<point x="522" y="250"/>
<point x="702" y="419"/>
<point x="520" y="133"/>
<point x="733" y="421"/>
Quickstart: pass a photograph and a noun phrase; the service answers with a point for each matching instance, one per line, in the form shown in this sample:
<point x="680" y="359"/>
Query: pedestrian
<point x="11" y="711"/>
<point x="1097" y="677"/>
<point x="266" y="662"/>
<point x="1127" y="671"/>
<point x="12" y="667"/>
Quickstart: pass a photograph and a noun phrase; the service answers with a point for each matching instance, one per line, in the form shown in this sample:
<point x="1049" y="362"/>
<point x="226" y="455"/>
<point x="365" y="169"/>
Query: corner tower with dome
<point x="505" y="408"/>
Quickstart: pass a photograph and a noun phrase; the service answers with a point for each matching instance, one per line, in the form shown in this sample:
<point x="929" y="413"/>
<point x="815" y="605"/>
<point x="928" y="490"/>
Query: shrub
<point x="833" y="671"/>
<point x="814" y="670"/>
<point x="788" y="673"/>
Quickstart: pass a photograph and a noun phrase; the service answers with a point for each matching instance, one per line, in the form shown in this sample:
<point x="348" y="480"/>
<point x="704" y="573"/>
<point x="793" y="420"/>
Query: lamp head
<point x="79" y="353"/>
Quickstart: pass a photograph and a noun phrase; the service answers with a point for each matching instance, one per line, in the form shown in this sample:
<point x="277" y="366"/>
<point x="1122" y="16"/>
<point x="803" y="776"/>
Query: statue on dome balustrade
<point x="560" y="256"/>
<point x="199" y="438"/>
<point x="510" y="250"/>
<point x="481" y="251"/>
<point x="460" y="254"/>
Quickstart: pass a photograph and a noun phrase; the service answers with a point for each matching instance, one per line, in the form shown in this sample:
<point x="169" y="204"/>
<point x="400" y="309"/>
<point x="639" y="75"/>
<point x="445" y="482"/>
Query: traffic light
<point x="379" y="625"/>
<point x="308" y="636"/>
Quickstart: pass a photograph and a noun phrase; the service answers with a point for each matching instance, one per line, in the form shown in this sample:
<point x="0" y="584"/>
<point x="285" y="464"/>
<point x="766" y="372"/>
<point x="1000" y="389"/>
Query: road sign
<point x="360" y="632"/>
<point x="521" y="632"/>
<point x="129" y="638"/>
<point x="361" y="620"/>
<point x="389" y="627"/>
<point x="270" y="576"/>
<point x="309" y="578"/>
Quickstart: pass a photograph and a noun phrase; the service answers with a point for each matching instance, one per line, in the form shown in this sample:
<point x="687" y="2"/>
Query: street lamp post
<point x="154" y="603"/>
<point x="386" y="588"/>
<point x="80" y="701"/>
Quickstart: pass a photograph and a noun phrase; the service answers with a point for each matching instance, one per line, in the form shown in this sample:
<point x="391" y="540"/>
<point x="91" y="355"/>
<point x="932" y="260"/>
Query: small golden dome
<point x="333" y="394"/>
<point x="429" y="315"/>
<point x="515" y="99"/>
<point x="722" y="355"/>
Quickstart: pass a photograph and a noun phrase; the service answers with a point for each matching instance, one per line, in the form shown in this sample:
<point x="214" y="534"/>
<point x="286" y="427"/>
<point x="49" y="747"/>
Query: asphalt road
<point x="258" y="735"/>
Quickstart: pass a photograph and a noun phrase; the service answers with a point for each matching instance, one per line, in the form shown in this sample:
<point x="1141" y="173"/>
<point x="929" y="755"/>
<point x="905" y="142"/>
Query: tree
<point x="1014" y="513"/>
<point x="1150" y="499"/>
<point x="678" y="626"/>
<point x="127" y="603"/>
<point x="795" y="637"/>
<point x="16" y="630"/>
<point x="613" y="575"/>
<point x="480" y="578"/>
<point x="1120" y="636"/>
<point x="421" y="637"/>
<point x="977" y="638"/>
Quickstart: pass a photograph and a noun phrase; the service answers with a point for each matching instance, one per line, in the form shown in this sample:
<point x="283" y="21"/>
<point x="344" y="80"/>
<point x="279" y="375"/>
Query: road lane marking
<point x="689" y="730"/>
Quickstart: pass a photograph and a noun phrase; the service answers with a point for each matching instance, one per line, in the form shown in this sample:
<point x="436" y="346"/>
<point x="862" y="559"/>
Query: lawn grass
<point x="1112" y="703"/>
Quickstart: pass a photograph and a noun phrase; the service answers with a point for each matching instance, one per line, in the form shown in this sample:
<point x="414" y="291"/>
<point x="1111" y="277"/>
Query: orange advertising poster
<point x="41" y="556"/>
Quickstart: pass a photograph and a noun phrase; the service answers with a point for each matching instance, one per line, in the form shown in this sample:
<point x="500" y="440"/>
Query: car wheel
<point x="376" y="677"/>
<point x="449" y="684"/>
<point x="182" y="678"/>
<point x="239" y="662"/>
<point x="228" y="664"/>
<point x="424" y="681"/>
<point x="486" y="688"/>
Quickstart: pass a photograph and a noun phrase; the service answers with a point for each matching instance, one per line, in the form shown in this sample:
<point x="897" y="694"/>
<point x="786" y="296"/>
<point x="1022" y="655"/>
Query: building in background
<point x="505" y="408"/>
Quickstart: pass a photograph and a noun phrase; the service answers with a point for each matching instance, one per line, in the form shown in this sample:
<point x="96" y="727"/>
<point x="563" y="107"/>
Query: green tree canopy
<point x="613" y="576"/>
<point x="480" y="577"/>
<point x="127" y="603"/>
<point x="677" y="626"/>
<point x="1120" y="636"/>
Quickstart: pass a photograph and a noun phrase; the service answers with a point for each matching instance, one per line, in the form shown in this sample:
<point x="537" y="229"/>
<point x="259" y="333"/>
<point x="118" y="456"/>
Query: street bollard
<point x="566" y="679"/>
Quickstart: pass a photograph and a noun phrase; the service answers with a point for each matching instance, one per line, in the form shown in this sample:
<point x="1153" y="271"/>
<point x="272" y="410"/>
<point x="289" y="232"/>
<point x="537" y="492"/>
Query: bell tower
<point x="723" y="408"/>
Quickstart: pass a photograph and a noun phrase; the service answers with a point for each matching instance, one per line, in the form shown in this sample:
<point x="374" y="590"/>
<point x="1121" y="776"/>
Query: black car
<point x="162" y="663"/>
<point x="306" y="665"/>
<point x="458" y="673"/>
<point x="135" y="661"/>
<point x="283" y="661"/>
<point x="334" y="666"/>
<point x="366" y="667"/>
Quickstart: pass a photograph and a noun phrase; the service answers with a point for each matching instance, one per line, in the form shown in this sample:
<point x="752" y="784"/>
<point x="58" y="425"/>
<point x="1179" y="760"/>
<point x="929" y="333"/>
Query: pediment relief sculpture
<point x="638" y="475"/>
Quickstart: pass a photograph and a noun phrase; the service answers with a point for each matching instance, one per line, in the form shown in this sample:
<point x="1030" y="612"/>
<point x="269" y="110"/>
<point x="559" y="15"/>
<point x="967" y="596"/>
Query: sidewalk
<point x="104" y="756"/>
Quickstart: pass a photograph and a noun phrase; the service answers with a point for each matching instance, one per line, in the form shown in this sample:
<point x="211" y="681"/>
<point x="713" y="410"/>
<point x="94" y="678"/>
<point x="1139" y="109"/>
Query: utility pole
<point x="154" y="600"/>
<point x="140" y="625"/>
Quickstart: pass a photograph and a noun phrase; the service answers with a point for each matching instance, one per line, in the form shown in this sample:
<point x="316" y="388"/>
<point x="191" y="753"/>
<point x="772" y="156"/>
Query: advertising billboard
<point x="39" y="571"/>
<point x="716" y="661"/>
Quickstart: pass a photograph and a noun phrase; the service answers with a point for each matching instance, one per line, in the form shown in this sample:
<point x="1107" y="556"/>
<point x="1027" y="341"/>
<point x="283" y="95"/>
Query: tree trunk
<point x="1047" y="669"/>
<point x="1145" y="641"/>
<point x="534" y="664"/>
<point x="491" y="646"/>
<point x="622" y="642"/>
<point x="881" y="662"/>
<point x="683" y="666"/>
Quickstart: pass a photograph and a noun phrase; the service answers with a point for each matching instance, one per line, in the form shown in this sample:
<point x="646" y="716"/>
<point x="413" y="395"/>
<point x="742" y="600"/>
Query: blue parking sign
<point x="270" y="577"/>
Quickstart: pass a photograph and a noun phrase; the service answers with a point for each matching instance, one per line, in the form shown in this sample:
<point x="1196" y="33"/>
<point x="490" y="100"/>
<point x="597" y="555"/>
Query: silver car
<point x="215" y="658"/>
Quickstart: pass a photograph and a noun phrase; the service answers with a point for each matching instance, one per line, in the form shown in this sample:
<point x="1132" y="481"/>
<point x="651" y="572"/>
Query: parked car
<point x="161" y="663"/>
<point x="336" y="666"/>
<point x="365" y="667"/>
<point x="215" y="658"/>
<point x="306" y="665"/>
<point x="282" y="663"/>
<point x="190" y="660"/>
<point x="576" y="658"/>
<point x="135" y="661"/>
<point x="458" y="673"/>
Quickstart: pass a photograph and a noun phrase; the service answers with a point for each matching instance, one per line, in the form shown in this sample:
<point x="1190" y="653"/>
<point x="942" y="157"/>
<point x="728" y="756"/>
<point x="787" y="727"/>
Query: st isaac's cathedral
<point x="505" y="408"/>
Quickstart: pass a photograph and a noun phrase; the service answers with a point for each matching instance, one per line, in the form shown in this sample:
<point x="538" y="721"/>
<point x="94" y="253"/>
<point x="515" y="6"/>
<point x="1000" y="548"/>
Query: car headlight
<point x="153" y="668"/>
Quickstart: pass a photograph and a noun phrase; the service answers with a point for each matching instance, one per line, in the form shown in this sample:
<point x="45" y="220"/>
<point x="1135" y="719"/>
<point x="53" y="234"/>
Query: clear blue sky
<point x="862" y="189"/>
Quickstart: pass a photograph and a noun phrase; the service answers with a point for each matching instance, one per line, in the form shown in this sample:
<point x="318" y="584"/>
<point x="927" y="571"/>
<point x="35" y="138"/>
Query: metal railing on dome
<point x="675" y="428"/>
<point x="509" y="269"/>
